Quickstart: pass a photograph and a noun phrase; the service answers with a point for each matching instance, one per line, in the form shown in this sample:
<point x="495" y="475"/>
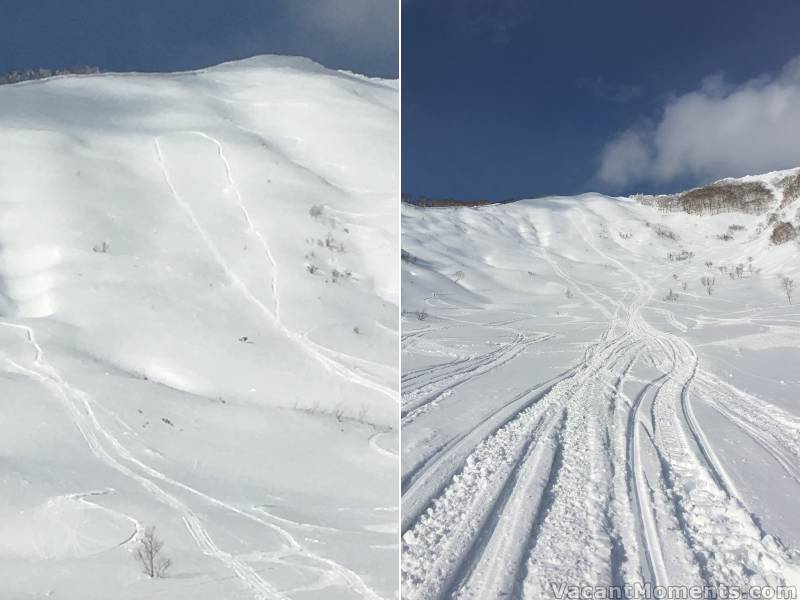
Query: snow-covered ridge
<point x="758" y="194"/>
<point x="154" y="175"/>
<point x="198" y="325"/>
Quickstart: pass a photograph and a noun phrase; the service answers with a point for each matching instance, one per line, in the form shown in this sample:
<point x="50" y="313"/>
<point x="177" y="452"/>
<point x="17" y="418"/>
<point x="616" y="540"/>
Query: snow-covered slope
<point x="198" y="332"/>
<point x="579" y="410"/>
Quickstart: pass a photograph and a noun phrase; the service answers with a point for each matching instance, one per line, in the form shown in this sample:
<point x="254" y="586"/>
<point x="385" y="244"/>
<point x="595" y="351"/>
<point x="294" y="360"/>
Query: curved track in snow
<point x="342" y="365"/>
<point x="108" y="449"/>
<point x="604" y="477"/>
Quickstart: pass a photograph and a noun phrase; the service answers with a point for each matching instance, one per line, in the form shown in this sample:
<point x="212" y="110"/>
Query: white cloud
<point x="715" y="131"/>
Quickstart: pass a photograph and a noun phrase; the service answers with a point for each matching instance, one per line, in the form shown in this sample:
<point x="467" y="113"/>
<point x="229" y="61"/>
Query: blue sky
<point x="522" y="98"/>
<point x="167" y="35"/>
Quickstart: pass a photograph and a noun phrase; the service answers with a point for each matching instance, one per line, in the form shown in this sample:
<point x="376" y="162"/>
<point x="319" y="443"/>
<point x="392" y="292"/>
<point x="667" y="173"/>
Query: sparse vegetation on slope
<point x="725" y="196"/>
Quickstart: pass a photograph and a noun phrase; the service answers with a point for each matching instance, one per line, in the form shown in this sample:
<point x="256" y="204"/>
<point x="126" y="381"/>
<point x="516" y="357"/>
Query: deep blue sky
<point x="517" y="98"/>
<point x="167" y="35"/>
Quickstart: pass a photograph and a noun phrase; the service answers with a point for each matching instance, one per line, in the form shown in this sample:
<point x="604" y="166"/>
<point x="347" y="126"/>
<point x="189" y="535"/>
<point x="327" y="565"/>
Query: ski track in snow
<point x="604" y="477"/>
<point x="336" y="362"/>
<point x="163" y="229"/>
<point x="109" y="450"/>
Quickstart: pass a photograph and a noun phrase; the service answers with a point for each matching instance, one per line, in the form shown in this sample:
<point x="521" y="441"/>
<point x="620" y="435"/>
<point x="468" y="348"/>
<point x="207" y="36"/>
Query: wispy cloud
<point x="715" y="131"/>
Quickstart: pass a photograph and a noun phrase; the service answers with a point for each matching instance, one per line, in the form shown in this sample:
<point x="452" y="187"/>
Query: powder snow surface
<point x="198" y="325"/>
<point x="578" y="410"/>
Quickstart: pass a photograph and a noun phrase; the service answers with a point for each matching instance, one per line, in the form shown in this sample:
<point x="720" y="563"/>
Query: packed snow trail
<point x="613" y="476"/>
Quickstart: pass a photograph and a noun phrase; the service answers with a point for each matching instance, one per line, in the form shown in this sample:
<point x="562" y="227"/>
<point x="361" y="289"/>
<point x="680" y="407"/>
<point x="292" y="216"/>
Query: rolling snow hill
<point x="600" y="391"/>
<point x="198" y="325"/>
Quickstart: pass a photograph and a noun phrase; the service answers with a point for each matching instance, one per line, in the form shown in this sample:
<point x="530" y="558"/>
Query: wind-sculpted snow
<point x="647" y="433"/>
<point x="198" y="332"/>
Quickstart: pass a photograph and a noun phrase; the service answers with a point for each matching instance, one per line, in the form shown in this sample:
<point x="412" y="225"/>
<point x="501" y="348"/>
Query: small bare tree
<point x="787" y="283"/>
<point x="708" y="283"/>
<point x="148" y="555"/>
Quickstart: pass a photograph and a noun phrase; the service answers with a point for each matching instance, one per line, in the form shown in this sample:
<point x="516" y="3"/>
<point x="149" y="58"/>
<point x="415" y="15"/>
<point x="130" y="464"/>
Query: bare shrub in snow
<point x="339" y="413"/>
<point x="458" y="276"/>
<point x="337" y="275"/>
<point x="708" y="283"/>
<point x="682" y="255"/>
<point x="149" y="557"/>
<point x="782" y="233"/>
<point x="671" y="296"/>
<point x="787" y="284"/>
<point x="331" y="244"/>
<point x="791" y="188"/>
<point x="664" y="233"/>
